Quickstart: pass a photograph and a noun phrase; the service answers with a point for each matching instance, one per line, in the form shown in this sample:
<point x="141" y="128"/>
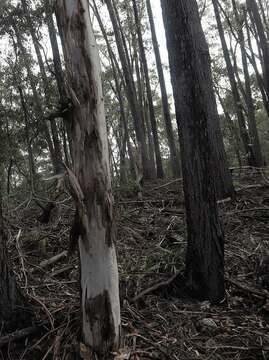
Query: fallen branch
<point x="153" y="344"/>
<point x="53" y="259"/>
<point x="165" y="185"/>
<point x="247" y="210"/>
<point x="238" y="348"/>
<point x="245" y="288"/>
<point x="20" y="334"/>
<point x="254" y="186"/>
<point x="154" y="288"/>
<point x="149" y="201"/>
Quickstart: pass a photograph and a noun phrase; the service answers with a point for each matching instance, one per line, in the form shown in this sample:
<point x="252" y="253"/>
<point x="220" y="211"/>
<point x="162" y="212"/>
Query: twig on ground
<point x="53" y="259"/>
<point x="245" y="288"/>
<point x="20" y="334"/>
<point x="155" y="287"/>
<point x="165" y="185"/>
<point x="156" y="346"/>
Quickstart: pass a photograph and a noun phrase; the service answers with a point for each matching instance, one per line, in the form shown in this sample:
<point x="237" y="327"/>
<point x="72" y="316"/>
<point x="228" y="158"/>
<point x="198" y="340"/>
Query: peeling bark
<point x="90" y="180"/>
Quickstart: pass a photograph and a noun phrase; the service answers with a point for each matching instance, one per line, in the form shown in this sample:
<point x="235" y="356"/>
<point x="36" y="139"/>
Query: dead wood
<point x="20" y="334"/>
<point x="53" y="259"/>
<point x="154" y="288"/>
<point x="250" y="290"/>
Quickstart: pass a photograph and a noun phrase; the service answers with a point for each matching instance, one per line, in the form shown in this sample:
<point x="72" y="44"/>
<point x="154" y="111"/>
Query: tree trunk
<point x="130" y="92"/>
<point x="252" y="59"/>
<point x="174" y="158"/>
<point x="150" y="137"/>
<point x="90" y="182"/>
<point x="13" y="311"/>
<point x="159" y="166"/>
<point x="38" y="110"/>
<point x="144" y="109"/>
<point x="262" y="43"/>
<point x="264" y="17"/>
<point x="45" y="83"/>
<point x="195" y="104"/>
<point x="117" y="74"/>
<point x="254" y="137"/>
<point x="59" y="75"/>
<point x="236" y="96"/>
<point x="28" y="141"/>
<point x="233" y="129"/>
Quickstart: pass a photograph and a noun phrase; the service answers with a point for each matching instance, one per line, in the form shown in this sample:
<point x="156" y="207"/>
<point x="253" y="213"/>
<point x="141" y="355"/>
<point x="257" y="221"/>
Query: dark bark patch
<point x="99" y="313"/>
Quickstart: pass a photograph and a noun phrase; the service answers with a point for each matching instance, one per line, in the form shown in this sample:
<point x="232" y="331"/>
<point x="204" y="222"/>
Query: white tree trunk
<point x="90" y="181"/>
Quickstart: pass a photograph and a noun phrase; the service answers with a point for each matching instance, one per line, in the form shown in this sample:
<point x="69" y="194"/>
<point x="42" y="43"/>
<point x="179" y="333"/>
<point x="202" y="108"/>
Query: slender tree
<point x="32" y="167"/>
<point x="118" y="78"/>
<point x="90" y="182"/>
<point x="253" y="61"/>
<point x="262" y="42"/>
<point x="160" y="172"/>
<point x="254" y="137"/>
<point x="195" y="105"/>
<point x="13" y="309"/>
<point x="38" y="108"/>
<point x="59" y="75"/>
<point x="236" y="95"/>
<point x="174" y="158"/>
<point x="130" y="89"/>
<point x="46" y="87"/>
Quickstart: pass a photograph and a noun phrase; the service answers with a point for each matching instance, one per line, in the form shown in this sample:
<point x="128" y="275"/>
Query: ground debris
<point x="151" y="244"/>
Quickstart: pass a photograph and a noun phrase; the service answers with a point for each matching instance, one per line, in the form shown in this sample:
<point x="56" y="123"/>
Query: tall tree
<point x="160" y="172"/>
<point x="38" y="106"/>
<point x="45" y="84"/>
<point x="195" y="105"/>
<point x="254" y="137"/>
<point x="262" y="42"/>
<point x="13" y="311"/>
<point x="174" y="158"/>
<point x="118" y="78"/>
<point x="236" y="95"/>
<point x="130" y="89"/>
<point x="90" y="182"/>
<point x="59" y="74"/>
<point x="253" y="61"/>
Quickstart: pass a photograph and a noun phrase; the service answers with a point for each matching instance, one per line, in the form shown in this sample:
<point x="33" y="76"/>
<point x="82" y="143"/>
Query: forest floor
<point x="151" y="243"/>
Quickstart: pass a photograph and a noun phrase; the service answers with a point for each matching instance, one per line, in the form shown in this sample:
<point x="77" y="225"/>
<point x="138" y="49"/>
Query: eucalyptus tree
<point x="174" y="158"/>
<point x="57" y="151"/>
<point x="160" y="172"/>
<point x="118" y="90"/>
<point x="234" y="87"/>
<point x="90" y="181"/>
<point x="261" y="40"/>
<point x="195" y="110"/>
<point x="247" y="91"/>
<point x="131" y="93"/>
